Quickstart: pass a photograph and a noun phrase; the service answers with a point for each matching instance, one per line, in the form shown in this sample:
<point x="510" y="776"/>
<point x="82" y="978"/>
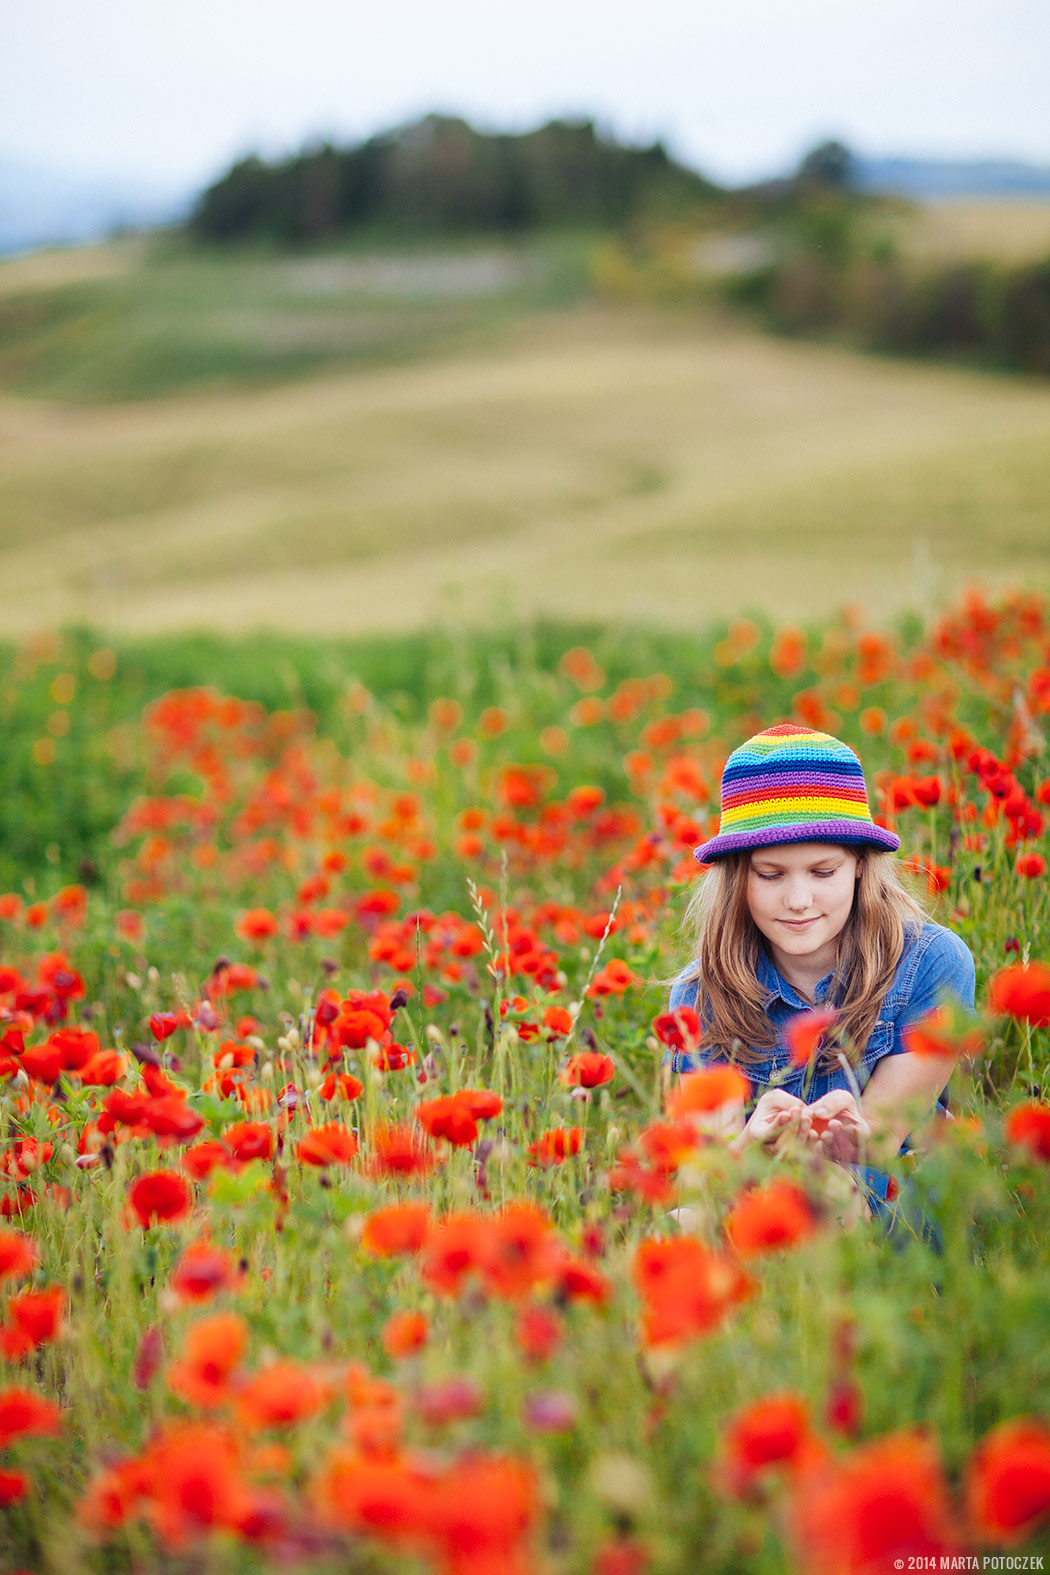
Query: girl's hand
<point x="776" y="1114"/>
<point x="837" y="1129"/>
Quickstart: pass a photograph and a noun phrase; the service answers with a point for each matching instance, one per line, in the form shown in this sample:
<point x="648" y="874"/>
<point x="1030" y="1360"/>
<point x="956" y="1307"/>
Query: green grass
<point x="182" y="318"/>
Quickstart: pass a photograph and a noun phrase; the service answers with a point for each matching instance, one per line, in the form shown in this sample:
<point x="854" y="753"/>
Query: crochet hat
<point x="790" y="784"/>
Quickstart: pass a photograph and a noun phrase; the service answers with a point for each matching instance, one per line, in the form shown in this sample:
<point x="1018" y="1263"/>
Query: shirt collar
<point x="777" y="987"/>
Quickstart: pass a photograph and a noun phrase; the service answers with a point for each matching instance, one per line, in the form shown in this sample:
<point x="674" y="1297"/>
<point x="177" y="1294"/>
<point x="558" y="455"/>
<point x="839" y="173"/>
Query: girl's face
<point x="800" y="896"/>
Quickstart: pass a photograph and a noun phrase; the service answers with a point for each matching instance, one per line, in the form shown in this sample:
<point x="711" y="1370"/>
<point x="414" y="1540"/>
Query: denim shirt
<point x="934" y="965"/>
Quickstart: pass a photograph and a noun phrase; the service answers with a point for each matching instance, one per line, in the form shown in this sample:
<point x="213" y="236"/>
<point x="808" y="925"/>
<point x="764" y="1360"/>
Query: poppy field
<point x="340" y="1170"/>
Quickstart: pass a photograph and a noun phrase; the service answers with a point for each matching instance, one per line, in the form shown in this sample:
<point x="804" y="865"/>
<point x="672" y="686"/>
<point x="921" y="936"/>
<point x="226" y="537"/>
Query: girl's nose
<point x="797" y="895"/>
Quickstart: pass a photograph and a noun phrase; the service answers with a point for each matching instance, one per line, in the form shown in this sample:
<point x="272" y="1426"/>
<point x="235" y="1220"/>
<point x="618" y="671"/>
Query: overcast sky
<point x="173" y="91"/>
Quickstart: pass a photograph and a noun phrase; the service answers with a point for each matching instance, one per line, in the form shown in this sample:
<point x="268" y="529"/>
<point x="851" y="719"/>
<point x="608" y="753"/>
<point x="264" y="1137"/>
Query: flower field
<point x="338" y="1159"/>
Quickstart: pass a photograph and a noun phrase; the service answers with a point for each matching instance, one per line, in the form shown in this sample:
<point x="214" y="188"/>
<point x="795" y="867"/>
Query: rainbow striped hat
<point x="790" y="784"/>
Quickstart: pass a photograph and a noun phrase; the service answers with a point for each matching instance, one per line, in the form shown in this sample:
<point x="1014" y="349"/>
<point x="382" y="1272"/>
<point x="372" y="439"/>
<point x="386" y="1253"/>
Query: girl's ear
<point x="860" y="866"/>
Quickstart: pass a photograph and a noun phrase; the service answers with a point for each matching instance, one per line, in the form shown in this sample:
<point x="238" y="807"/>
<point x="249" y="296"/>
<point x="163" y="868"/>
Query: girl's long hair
<point x="727" y="946"/>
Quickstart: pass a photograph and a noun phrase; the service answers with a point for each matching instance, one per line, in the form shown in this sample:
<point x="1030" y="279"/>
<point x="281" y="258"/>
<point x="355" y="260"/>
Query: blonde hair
<point x="727" y="946"/>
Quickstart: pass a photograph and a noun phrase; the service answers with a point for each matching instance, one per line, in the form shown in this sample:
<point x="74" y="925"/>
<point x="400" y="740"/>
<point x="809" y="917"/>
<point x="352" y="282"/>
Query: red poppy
<point x="938" y="1034"/>
<point x="766" y="1218"/>
<point x="23" y="1413"/>
<point x="258" y="924"/>
<point x="556" y="1146"/>
<point x="247" y="1140"/>
<point x="448" y="1118"/>
<point x="14" y="1485"/>
<point x="200" y="1160"/>
<point x="456" y="1248"/>
<point x="213" y="1351"/>
<point x="194" y="1482"/>
<point x="18" y="1255"/>
<point x="341" y="1085"/>
<point x="401" y="1228"/>
<point x="888" y="1500"/>
<point x="397" y="1151"/>
<point x="805" y="1033"/>
<point x="202" y="1271"/>
<point x="331" y="1144"/>
<point x="680" y="1029"/>
<point x="281" y="1394"/>
<point x="35" y="1319"/>
<point x="589" y="1069"/>
<point x="707" y="1091"/>
<point x="160" y="1196"/>
<point x="404" y="1333"/>
<point x="774" y="1431"/>
<point x="1022" y="990"/>
<point x="538" y="1332"/>
<point x="686" y="1289"/>
<point x="1008" y="1482"/>
<point x="1028" y="1126"/>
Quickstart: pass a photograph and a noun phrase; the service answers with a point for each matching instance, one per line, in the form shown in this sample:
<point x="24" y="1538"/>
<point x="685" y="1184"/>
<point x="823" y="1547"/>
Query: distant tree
<point x="439" y="174"/>
<point x="830" y="165"/>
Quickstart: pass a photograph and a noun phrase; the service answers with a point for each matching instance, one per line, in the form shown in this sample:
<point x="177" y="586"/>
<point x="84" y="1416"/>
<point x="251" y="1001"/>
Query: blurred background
<point x="355" y="321"/>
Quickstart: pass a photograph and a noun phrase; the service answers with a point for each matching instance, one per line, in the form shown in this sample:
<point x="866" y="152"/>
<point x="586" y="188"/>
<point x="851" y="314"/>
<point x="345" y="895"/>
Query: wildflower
<point x="401" y="1228"/>
<point x="202" y="1271"/>
<point x="708" y="1091"/>
<point x="521" y="1250"/>
<point x="331" y="1144"/>
<point x="200" y="1160"/>
<point x="35" y="1318"/>
<point x="614" y="979"/>
<point x="774" y="1431"/>
<point x="160" y="1196"/>
<point x="538" y="1333"/>
<point x="766" y="1218"/>
<point x="1028" y="1126"/>
<point x="1008" y="1481"/>
<point x="589" y="1069"/>
<point x="680" y="1029"/>
<point x="195" y="1484"/>
<point x="805" y="1033"/>
<point x="1030" y="865"/>
<point x="404" y="1333"/>
<point x="397" y="1151"/>
<point x="14" y="1485"/>
<point x="449" y="1118"/>
<point x="23" y="1413"/>
<point x="18" y="1255"/>
<point x="686" y="1289"/>
<point x="936" y="1034"/>
<point x="258" y="924"/>
<point x="886" y="1500"/>
<point x="247" y="1140"/>
<point x="283" y="1393"/>
<point x="456" y="1248"/>
<point x="557" y="1145"/>
<point x="213" y="1351"/>
<point x="341" y="1085"/>
<point x="557" y="1022"/>
<point x="1022" y="990"/>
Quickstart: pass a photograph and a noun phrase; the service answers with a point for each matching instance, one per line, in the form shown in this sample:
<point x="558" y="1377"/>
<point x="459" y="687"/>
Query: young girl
<point x="803" y="907"/>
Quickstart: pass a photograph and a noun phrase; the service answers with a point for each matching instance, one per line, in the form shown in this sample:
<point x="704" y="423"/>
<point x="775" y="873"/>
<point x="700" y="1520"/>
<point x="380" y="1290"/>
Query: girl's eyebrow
<point x="832" y="860"/>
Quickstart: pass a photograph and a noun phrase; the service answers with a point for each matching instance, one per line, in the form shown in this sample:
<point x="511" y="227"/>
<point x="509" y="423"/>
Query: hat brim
<point x="846" y="832"/>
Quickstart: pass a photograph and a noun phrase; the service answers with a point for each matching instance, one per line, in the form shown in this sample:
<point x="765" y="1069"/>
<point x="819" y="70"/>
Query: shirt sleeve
<point x="945" y="973"/>
<point x="683" y="993"/>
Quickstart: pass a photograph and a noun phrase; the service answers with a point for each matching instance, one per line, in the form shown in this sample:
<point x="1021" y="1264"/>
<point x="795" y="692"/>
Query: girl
<point x="802" y="908"/>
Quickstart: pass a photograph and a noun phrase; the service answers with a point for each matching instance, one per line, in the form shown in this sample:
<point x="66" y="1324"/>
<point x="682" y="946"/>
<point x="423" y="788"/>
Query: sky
<point x="172" y="93"/>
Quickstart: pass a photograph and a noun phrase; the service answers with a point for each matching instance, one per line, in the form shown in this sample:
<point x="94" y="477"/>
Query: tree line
<point x="440" y="175"/>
